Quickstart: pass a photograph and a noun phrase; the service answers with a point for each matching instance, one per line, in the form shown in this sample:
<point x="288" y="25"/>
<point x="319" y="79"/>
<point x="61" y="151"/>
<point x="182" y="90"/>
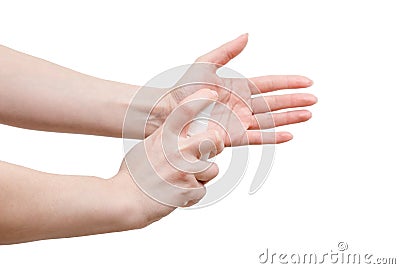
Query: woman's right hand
<point x="165" y="171"/>
<point x="249" y="99"/>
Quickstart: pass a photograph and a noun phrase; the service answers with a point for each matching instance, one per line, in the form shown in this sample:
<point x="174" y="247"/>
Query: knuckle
<point x="198" y="193"/>
<point x="184" y="177"/>
<point x="194" y="190"/>
<point x="202" y="192"/>
<point x="214" y="171"/>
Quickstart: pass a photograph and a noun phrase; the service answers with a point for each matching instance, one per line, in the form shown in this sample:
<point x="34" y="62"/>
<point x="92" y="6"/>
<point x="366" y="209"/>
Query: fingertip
<point x="283" y="137"/>
<point x="244" y="36"/>
<point x="242" y="40"/>
<point x="305" y="81"/>
<point x="214" y="171"/>
<point x="313" y="99"/>
<point x="287" y="136"/>
<point x="305" y="115"/>
<point x="307" y="99"/>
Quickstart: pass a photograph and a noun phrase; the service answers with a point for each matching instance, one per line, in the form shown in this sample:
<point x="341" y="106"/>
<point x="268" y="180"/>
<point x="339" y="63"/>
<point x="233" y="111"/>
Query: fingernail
<point x="287" y="136"/>
<point x="314" y="99"/>
<point x="309" y="82"/>
<point x="305" y="114"/>
<point x="309" y="98"/>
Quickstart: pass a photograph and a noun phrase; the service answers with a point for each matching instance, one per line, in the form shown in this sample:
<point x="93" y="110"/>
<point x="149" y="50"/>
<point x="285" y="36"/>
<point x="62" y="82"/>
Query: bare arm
<point x="36" y="205"/>
<point x="37" y="94"/>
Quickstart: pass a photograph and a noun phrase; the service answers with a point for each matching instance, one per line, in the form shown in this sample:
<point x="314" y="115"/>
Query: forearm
<point x="36" y="94"/>
<point x="36" y="205"/>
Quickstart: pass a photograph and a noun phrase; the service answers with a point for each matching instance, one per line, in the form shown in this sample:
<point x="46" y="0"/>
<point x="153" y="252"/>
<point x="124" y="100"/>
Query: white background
<point x="338" y="180"/>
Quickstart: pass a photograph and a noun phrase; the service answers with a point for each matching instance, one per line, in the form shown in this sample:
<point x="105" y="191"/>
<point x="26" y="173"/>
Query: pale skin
<point x="36" y="94"/>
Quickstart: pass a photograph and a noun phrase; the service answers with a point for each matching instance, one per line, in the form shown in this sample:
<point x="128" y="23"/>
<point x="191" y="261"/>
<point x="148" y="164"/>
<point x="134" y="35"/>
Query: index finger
<point x="189" y="108"/>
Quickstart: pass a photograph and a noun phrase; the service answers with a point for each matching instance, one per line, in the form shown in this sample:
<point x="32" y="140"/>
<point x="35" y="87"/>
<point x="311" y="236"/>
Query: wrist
<point x="135" y="209"/>
<point x="141" y="109"/>
<point x="146" y="111"/>
<point x="114" y="102"/>
<point x="126" y="204"/>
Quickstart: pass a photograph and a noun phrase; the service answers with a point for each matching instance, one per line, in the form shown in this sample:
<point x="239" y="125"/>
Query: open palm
<point x="242" y="109"/>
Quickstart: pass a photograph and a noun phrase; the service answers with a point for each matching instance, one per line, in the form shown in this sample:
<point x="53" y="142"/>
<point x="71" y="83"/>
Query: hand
<point x="166" y="167"/>
<point x="235" y="95"/>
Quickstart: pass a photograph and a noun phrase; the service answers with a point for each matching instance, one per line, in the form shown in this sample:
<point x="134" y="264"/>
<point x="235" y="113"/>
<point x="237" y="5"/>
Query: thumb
<point x="189" y="107"/>
<point x="226" y="52"/>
